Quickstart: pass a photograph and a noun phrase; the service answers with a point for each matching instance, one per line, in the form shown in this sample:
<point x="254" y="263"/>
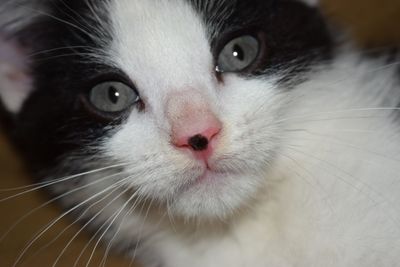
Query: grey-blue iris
<point x="113" y="96"/>
<point x="238" y="54"/>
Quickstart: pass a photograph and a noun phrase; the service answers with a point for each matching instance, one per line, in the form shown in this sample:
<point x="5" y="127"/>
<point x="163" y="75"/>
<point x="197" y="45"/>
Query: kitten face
<point x="167" y="54"/>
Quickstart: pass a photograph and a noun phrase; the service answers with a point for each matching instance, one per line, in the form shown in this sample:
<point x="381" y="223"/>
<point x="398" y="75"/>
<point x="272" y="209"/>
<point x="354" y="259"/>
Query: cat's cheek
<point x="152" y="165"/>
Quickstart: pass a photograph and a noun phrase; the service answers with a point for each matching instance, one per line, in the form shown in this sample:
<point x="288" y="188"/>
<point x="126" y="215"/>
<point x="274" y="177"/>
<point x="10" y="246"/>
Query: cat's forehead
<point x="159" y="42"/>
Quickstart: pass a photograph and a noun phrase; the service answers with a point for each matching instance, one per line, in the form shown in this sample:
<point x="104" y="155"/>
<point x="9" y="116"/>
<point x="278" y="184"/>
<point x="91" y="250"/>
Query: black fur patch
<point x="296" y="35"/>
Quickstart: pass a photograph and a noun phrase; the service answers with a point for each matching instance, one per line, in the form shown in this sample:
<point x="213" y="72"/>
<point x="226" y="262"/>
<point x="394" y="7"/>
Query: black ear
<point x="15" y="80"/>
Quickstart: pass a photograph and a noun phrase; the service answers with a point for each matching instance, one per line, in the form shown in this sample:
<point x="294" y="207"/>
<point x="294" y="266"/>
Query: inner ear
<point x="311" y="2"/>
<point x="15" y="79"/>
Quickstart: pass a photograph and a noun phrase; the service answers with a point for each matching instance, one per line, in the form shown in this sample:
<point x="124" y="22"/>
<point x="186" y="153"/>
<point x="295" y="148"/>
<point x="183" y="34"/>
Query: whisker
<point x="384" y="67"/>
<point x="42" y="185"/>
<point x="335" y="130"/>
<point x="317" y="186"/>
<point x="349" y="145"/>
<point x="74" y="222"/>
<point x="53" y="200"/>
<point x="140" y="233"/>
<point x="130" y="211"/>
<point x="78" y="23"/>
<point x="58" y="49"/>
<point x="109" y="226"/>
<point x="87" y="25"/>
<point x="358" y="180"/>
<point x="92" y="238"/>
<point x="305" y="116"/>
<point x="40" y="12"/>
<point x="93" y="12"/>
<point x="91" y="220"/>
<point x="74" y="54"/>
<point x="50" y="225"/>
<point x="170" y="217"/>
<point x="339" y="169"/>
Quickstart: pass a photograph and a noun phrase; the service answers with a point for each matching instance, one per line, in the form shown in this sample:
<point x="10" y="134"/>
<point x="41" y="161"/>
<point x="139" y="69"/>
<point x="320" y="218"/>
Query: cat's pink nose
<point x="200" y="142"/>
<point x="194" y="126"/>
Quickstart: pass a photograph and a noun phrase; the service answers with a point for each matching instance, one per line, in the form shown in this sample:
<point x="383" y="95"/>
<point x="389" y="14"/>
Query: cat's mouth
<point x="207" y="176"/>
<point x="211" y="175"/>
<point x="216" y="171"/>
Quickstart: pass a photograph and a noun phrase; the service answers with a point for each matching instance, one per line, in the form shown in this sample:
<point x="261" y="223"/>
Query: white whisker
<point x="45" y="184"/>
<point x="128" y="213"/>
<point x="53" y="200"/>
<point x="78" y="16"/>
<point x="140" y="233"/>
<point x="43" y="13"/>
<point x="58" y="49"/>
<point x="331" y="139"/>
<point x="81" y="216"/>
<point x="109" y="226"/>
<point x="50" y="225"/>
<point x="91" y="220"/>
<point x="334" y="112"/>
<point x="93" y="12"/>
<point x="361" y="189"/>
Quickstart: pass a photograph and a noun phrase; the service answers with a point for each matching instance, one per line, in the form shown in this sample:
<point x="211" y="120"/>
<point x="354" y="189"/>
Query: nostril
<point x="198" y="142"/>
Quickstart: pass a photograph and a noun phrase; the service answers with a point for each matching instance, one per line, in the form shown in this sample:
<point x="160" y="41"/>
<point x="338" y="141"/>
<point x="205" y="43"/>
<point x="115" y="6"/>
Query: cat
<point x="207" y="133"/>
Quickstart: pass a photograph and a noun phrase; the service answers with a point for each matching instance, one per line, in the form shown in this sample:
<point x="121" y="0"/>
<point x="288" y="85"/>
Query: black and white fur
<point x="307" y="165"/>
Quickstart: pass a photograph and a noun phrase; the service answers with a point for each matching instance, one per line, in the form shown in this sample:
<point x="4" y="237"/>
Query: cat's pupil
<point x="113" y="95"/>
<point x="238" y="52"/>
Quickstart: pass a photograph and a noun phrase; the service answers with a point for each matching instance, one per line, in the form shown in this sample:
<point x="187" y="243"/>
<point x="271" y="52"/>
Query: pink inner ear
<point x="12" y="54"/>
<point x="15" y="83"/>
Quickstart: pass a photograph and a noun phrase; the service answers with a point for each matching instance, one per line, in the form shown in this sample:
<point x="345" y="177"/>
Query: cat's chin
<point x="215" y="196"/>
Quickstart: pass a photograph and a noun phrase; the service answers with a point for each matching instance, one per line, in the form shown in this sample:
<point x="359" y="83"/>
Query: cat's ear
<point x="15" y="80"/>
<point x="312" y="3"/>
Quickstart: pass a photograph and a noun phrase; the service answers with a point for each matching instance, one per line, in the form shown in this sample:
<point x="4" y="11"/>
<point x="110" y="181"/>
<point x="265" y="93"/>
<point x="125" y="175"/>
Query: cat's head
<point x="185" y="95"/>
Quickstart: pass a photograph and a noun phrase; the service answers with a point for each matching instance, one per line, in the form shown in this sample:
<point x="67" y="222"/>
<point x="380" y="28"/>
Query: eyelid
<point x="112" y="76"/>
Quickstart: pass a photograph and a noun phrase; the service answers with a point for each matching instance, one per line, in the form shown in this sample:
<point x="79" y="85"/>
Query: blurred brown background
<point x="373" y="22"/>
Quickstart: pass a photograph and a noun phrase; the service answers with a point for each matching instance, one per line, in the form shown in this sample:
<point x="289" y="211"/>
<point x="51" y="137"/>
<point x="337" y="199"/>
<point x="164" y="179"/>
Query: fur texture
<point x="305" y="170"/>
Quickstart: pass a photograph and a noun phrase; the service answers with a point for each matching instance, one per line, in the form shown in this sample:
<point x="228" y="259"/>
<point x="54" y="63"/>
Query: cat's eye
<point x="238" y="54"/>
<point x="113" y="97"/>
